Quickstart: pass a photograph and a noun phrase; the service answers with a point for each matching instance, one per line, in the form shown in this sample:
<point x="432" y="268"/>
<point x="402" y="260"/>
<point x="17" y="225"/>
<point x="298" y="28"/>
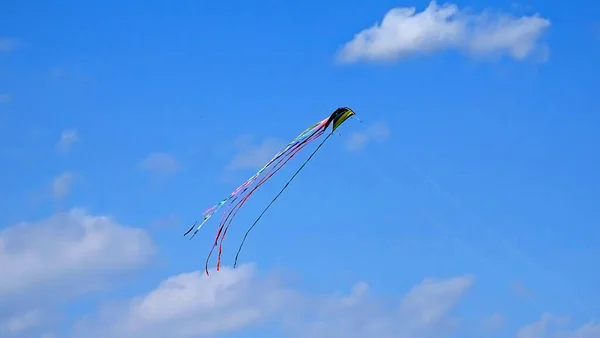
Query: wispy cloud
<point x="7" y="44"/>
<point x="404" y="32"/>
<point x="377" y="132"/>
<point x="22" y="322"/>
<point x="160" y="163"/>
<point x="75" y="74"/>
<point x="61" y="186"/>
<point x="167" y="222"/>
<point x="521" y="290"/>
<point x="546" y="326"/>
<point x="67" y="139"/>
<point x="493" y="322"/>
<point x="6" y="97"/>
<point x="58" y="72"/>
<point x="253" y="155"/>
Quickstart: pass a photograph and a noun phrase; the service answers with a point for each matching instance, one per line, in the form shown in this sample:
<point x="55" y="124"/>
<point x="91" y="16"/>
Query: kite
<point x="240" y="195"/>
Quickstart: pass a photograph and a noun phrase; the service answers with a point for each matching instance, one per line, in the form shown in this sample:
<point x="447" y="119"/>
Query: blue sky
<point x="464" y="202"/>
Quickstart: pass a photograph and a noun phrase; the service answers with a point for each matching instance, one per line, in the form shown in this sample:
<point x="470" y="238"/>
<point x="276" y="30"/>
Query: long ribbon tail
<point x="228" y="219"/>
<point x="276" y="168"/>
<point x="197" y="229"/>
<point x="307" y="134"/>
<point x="226" y="216"/>
<point x="192" y="228"/>
<point x="277" y="196"/>
<point x="216" y="241"/>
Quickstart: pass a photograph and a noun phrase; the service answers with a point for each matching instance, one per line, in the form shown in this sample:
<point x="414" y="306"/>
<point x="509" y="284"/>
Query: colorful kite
<point x="243" y="192"/>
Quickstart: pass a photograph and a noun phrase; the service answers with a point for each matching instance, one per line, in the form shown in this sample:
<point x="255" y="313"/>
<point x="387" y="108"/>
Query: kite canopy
<point x="339" y="116"/>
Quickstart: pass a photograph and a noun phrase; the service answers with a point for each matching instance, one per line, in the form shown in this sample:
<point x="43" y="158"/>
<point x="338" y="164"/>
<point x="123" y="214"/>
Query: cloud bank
<point x="70" y="255"/>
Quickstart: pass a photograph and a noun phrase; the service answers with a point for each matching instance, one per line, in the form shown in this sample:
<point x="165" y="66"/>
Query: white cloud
<point x="404" y="32"/>
<point x="493" y="322"/>
<point x="71" y="73"/>
<point x="167" y="222"/>
<point x="378" y="132"/>
<point x="195" y="305"/>
<point x="48" y="262"/>
<point x="550" y="326"/>
<point x="21" y="322"/>
<point x="6" y="97"/>
<point x="160" y="163"/>
<point x="67" y="249"/>
<point x="58" y="72"/>
<point x="542" y="327"/>
<point x="7" y="44"/>
<point x="61" y="187"/>
<point x="67" y="139"/>
<point x="588" y="330"/>
<point x="521" y="290"/>
<point x="251" y="155"/>
<point x="425" y="311"/>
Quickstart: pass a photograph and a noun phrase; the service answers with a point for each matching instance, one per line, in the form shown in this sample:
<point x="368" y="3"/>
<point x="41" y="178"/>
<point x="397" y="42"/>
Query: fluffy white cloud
<point x="61" y="187"/>
<point x="67" y="139"/>
<point x="160" y="163"/>
<point x="66" y="255"/>
<point x="404" y="32"/>
<point x="251" y="155"/>
<point x="195" y="305"/>
<point x="377" y="132"/>
<point x="67" y="249"/>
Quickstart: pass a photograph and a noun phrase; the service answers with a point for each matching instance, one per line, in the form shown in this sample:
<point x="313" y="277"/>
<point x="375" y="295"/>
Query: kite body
<point x="240" y="195"/>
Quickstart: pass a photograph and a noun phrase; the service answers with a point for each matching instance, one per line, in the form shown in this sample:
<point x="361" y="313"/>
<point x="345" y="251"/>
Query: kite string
<point x="277" y="196"/>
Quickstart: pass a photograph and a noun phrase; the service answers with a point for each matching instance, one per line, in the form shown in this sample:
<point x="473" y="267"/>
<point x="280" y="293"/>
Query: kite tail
<point x="302" y="138"/>
<point x="214" y="245"/>
<point x="197" y="229"/>
<point x="275" y="169"/>
<point x="192" y="228"/>
<point x="277" y="196"/>
<point x="228" y="217"/>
